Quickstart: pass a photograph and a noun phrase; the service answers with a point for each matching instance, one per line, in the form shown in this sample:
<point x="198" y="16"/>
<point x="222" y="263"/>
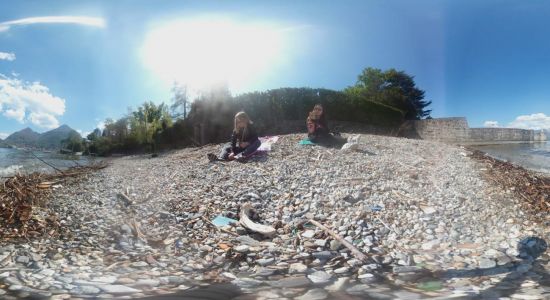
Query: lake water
<point x="23" y="161"/>
<point x="534" y="156"/>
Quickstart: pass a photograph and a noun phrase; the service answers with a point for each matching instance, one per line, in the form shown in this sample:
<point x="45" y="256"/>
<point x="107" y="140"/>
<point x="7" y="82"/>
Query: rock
<point x="139" y="264"/>
<point x="308" y="233"/>
<point x="291" y="282"/>
<point x="22" y="259"/>
<point x="265" y="261"/>
<point x="246" y="240"/>
<point x="341" y="270"/>
<point x="314" y="294"/>
<point x="146" y="283"/>
<point x="105" y="279"/>
<point x="319" y="277"/>
<point x="118" y="289"/>
<point x="486" y="263"/>
<point x="335" y="245"/>
<point x="85" y="289"/>
<point x="246" y="282"/>
<point x="338" y="285"/>
<point x="297" y="268"/>
<point x="242" y="248"/>
<point x="359" y="289"/>
<point x="323" y="255"/>
<point x="406" y="269"/>
<point x="205" y="248"/>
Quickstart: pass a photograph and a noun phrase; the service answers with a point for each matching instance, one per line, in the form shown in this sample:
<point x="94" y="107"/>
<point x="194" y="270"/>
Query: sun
<point x="208" y="51"/>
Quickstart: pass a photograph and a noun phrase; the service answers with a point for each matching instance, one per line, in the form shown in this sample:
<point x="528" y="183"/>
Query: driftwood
<point x="249" y="224"/>
<point x="358" y="254"/>
<point x="23" y="198"/>
<point x="127" y="201"/>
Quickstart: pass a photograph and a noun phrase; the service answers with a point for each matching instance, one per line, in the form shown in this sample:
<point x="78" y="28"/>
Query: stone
<point x="22" y="259"/>
<point x="105" y="279"/>
<point x="314" y="294"/>
<point x="139" y="264"/>
<point x="406" y="269"/>
<point x="146" y="283"/>
<point x="265" y="261"/>
<point x="296" y="268"/>
<point x="338" y="285"/>
<point x="486" y="263"/>
<point x="308" y="233"/>
<point x="246" y="282"/>
<point x="341" y="270"/>
<point x="242" y="248"/>
<point x="359" y="289"/>
<point x="335" y="245"/>
<point x="85" y="289"/>
<point x="323" y="255"/>
<point x="291" y="282"/>
<point x="118" y="289"/>
<point x="319" y="277"/>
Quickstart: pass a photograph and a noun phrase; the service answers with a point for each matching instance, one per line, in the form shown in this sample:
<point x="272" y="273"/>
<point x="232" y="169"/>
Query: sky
<point x="80" y="62"/>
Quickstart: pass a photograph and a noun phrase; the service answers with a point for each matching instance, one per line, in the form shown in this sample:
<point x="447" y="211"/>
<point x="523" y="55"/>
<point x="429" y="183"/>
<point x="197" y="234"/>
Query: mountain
<point x="23" y="138"/>
<point x="48" y="140"/>
<point x="52" y="139"/>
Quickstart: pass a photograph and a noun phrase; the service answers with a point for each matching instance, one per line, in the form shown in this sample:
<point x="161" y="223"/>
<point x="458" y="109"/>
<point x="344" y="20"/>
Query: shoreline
<point x="415" y="208"/>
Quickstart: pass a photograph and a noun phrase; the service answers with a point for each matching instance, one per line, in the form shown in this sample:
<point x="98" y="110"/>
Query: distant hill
<point x="23" y="138"/>
<point x="48" y="140"/>
<point x="52" y="139"/>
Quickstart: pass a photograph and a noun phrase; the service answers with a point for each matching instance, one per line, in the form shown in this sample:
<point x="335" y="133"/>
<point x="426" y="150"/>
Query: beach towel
<point x="306" y="142"/>
<point x="267" y="142"/>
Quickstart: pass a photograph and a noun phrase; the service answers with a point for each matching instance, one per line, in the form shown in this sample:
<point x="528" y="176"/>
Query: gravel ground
<point x="428" y="222"/>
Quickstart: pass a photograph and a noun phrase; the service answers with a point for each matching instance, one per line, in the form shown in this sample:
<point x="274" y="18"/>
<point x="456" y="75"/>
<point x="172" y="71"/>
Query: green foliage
<point x="392" y="88"/>
<point x="138" y="131"/>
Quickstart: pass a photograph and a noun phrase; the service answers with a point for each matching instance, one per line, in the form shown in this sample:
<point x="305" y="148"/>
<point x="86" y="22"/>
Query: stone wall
<point x="456" y="130"/>
<point x="443" y="129"/>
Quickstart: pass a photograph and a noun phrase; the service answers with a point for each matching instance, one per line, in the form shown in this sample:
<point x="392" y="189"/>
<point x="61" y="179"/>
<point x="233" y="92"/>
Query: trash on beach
<point x="376" y="208"/>
<point x="221" y="221"/>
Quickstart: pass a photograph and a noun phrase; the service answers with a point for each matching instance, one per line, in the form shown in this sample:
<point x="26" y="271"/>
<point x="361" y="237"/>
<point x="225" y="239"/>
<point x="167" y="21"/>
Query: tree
<point x="393" y="88"/>
<point x="148" y="121"/>
<point x="180" y="101"/>
<point x="94" y="135"/>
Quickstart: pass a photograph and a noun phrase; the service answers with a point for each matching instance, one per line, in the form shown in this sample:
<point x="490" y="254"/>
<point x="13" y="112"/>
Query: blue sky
<point x="79" y="62"/>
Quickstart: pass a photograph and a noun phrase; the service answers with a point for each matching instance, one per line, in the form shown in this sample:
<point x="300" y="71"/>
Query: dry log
<point x="358" y="254"/>
<point x="249" y="224"/>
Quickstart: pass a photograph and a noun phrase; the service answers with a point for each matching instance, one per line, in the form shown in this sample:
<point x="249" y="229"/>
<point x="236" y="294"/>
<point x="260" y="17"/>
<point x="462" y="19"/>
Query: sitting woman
<point x="244" y="140"/>
<point x="318" y="131"/>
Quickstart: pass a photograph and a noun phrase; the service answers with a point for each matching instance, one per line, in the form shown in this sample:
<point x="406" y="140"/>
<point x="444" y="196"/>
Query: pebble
<point x="460" y="223"/>
<point x="242" y="248"/>
<point x="314" y="294"/>
<point x="319" y="277"/>
<point x="297" y="268"/>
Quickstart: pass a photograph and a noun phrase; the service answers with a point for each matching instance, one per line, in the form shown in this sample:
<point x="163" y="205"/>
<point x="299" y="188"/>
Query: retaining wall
<point x="456" y="130"/>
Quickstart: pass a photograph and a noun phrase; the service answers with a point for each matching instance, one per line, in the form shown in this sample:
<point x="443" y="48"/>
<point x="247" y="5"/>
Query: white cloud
<point x="4" y="135"/>
<point x="100" y="125"/>
<point x="534" y="121"/>
<point x="492" y="124"/>
<point x="83" y="133"/>
<point x="26" y="101"/>
<point x="88" y="21"/>
<point x="7" y="56"/>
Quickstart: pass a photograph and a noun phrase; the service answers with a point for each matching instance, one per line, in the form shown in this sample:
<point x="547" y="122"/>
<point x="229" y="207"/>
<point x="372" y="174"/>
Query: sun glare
<point x="199" y="53"/>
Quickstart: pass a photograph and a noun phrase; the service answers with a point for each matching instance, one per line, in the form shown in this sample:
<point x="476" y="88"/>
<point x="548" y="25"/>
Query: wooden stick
<point x="247" y="223"/>
<point x="358" y="254"/>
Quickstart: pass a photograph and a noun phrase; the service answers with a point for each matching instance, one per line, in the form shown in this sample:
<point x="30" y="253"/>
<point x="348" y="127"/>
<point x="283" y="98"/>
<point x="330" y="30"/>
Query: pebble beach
<point x="428" y="221"/>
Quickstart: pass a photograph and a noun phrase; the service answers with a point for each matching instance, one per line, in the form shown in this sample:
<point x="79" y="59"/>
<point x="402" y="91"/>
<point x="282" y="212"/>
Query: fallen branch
<point x="358" y="254"/>
<point x="127" y="201"/>
<point x="249" y="224"/>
